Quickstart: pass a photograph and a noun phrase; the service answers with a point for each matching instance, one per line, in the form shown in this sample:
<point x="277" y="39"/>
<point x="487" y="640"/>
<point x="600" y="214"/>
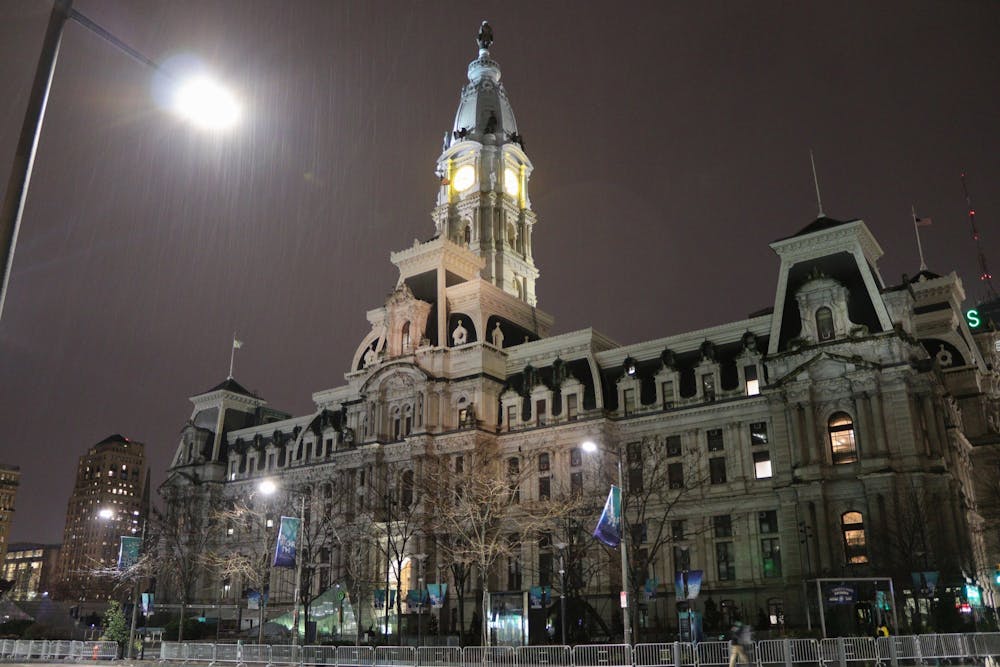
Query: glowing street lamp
<point x="107" y="514"/>
<point x="199" y="100"/>
<point x="591" y="447"/>
<point x="268" y="487"/>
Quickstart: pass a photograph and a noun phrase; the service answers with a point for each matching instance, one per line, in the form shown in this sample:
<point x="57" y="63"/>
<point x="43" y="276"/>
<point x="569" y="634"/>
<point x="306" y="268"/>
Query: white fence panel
<point x="319" y="655"/>
<point x="897" y="647"/>
<point x="171" y="652"/>
<point x="284" y="655"/>
<point x="200" y="652"/>
<point x="606" y="655"/>
<point x="229" y="653"/>
<point x="502" y="656"/>
<point x="439" y="656"/>
<point x="987" y="644"/>
<point x="713" y="653"/>
<point x="99" y="650"/>
<point x="396" y="656"/>
<point x="544" y="656"/>
<point x="256" y="653"/>
<point x="355" y="656"/>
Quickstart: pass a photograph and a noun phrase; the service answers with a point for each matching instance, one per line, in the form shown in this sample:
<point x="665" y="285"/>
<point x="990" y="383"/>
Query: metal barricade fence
<point x="895" y="648"/>
<point x="76" y="651"/>
<point x="713" y="653"/>
<point x="255" y="653"/>
<point x="284" y="655"/>
<point x="842" y="650"/>
<point x="987" y="644"/>
<point x="439" y="656"/>
<point x="503" y="656"/>
<point x="229" y="653"/>
<point x="605" y="655"/>
<point x="355" y="656"/>
<point x="319" y="655"/>
<point x="200" y="652"/>
<point x="60" y="650"/>
<point x="99" y="650"/>
<point x="544" y="656"/>
<point x="677" y="654"/>
<point x="21" y="647"/>
<point x="395" y="656"/>
<point x="171" y="652"/>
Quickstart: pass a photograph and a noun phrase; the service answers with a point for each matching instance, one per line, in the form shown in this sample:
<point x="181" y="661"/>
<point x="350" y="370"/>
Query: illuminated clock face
<point x="510" y="182"/>
<point x="464" y="178"/>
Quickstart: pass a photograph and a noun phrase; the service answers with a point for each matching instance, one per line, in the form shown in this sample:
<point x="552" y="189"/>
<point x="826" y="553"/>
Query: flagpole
<point x="232" y="356"/>
<point x="819" y="200"/>
<point x="916" y="230"/>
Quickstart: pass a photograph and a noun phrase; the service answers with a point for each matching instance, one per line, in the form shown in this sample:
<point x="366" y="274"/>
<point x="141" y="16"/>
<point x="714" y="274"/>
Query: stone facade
<point x="849" y="431"/>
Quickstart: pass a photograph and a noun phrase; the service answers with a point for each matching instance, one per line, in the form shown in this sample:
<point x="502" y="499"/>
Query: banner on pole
<point x="128" y="551"/>
<point x="288" y="536"/>
<point x="609" y="527"/>
<point x="539" y="596"/>
<point x="437" y="593"/>
<point x="147" y="604"/>
<point x="694" y="583"/>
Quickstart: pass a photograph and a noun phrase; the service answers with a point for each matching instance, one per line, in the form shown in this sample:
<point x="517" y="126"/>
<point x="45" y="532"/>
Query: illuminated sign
<point x="972" y="317"/>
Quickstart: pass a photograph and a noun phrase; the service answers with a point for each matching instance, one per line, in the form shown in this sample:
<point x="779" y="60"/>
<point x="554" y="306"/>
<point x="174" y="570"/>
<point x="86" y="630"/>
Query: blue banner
<point x="539" y="596"/>
<point x="694" y="583"/>
<point x="147" y="604"/>
<point x="379" y="600"/>
<point x="416" y="599"/>
<point x="651" y="586"/>
<point x="437" y="593"/>
<point x="128" y="552"/>
<point x="687" y="585"/>
<point x="288" y="536"/>
<point x="609" y="527"/>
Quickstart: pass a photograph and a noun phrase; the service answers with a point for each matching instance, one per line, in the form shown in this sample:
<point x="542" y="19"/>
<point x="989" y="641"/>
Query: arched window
<point x="824" y="324"/>
<point x="406" y="337"/>
<point x="852" y="525"/>
<point x="467" y="237"/>
<point x="843" y="446"/>
<point x="407" y="419"/>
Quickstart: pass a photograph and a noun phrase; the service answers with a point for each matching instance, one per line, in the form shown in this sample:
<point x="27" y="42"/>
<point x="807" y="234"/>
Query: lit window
<point x="842" y="444"/>
<point x="708" y="386"/>
<point x="855" y="544"/>
<point x="753" y="385"/>
<point x="762" y="465"/>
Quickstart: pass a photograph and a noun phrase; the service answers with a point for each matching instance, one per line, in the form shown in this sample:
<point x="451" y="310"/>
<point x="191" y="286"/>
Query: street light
<point x="200" y="102"/>
<point x="268" y="487"/>
<point x="561" y="546"/>
<point x="420" y="595"/>
<point x="107" y="514"/>
<point x="591" y="447"/>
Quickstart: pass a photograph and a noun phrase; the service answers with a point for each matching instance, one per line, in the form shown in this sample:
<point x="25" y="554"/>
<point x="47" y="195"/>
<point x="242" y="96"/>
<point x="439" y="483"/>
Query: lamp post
<point x="561" y="546"/>
<point x="200" y="102"/>
<point x="591" y="447"/>
<point x="420" y="596"/>
<point x="107" y="514"/>
<point x="440" y="567"/>
<point x="268" y="487"/>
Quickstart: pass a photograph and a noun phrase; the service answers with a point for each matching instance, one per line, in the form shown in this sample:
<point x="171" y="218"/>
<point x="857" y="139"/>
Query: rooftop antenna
<point x="819" y="200"/>
<point x="984" y="273"/>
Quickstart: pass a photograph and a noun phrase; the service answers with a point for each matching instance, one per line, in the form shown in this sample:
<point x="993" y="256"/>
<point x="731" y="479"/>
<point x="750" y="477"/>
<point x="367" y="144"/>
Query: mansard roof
<point x="229" y="384"/>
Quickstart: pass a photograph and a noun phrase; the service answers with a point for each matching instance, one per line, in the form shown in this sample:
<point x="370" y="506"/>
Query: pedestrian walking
<point x="739" y="643"/>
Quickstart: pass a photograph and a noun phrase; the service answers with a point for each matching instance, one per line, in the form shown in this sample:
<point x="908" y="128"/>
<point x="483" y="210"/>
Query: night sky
<point x="670" y="142"/>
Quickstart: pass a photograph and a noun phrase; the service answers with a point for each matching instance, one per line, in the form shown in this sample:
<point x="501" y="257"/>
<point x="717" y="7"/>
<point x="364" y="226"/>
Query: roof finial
<point x="485" y="36"/>
<point x="819" y="200"/>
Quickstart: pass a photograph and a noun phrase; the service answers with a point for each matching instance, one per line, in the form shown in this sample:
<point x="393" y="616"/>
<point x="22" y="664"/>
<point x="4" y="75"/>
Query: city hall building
<point x="844" y="436"/>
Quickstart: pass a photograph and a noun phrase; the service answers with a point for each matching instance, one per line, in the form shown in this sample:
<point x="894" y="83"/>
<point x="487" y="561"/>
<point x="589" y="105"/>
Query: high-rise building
<point x="31" y="569"/>
<point x="846" y="434"/>
<point x="10" y="478"/>
<point x="111" y="476"/>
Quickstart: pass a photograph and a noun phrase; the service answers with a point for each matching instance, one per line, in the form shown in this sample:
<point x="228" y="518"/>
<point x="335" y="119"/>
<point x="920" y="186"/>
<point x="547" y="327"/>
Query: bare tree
<point x="657" y="482"/>
<point x="244" y="554"/>
<point x="183" y="532"/>
<point x="480" y="507"/>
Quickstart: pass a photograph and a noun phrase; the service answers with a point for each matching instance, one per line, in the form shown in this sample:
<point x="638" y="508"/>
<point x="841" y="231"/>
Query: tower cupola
<point x="483" y="201"/>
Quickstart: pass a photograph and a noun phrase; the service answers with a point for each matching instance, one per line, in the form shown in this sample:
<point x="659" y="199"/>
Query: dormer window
<point x="843" y="447"/>
<point x="405" y="338"/>
<point x="824" y="324"/>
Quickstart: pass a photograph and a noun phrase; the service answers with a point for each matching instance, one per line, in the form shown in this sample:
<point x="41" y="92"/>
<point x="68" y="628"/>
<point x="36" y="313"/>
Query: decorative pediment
<point x="825" y="366"/>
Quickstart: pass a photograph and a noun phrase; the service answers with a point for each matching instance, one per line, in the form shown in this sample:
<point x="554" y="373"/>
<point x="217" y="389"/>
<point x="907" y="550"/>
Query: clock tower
<point x="483" y="201"/>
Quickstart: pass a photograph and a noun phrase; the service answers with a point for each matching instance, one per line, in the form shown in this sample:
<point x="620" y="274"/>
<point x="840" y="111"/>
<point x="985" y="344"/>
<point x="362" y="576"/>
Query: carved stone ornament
<point x="485" y="37"/>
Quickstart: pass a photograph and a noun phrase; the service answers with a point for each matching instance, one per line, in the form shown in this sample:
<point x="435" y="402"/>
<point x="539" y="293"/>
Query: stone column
<point x="878" y="417"/>
<point x="812" y="440"/>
